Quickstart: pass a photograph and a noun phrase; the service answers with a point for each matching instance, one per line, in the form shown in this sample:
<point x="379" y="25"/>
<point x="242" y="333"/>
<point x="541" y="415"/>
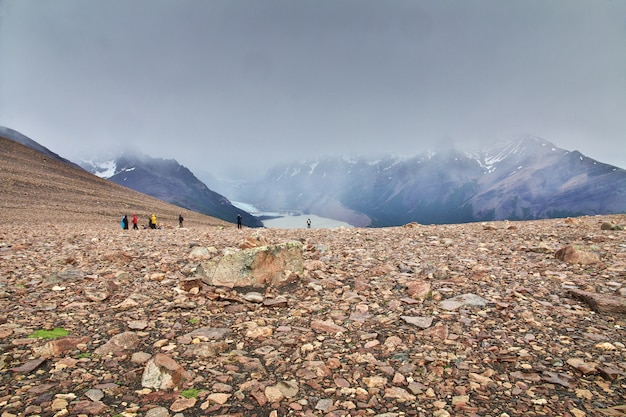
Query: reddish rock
<point x="253" y="241"/>
<point x="58" y="347"/>
<point x="92" y="408"/>
<point x="602" y="303"/>
<point x="327" y="326"/>
<point x="418" y="289"/>
<point x="163" y="372"/>
<point x="183" y="404"/>
<point x="572" y="255"/>
<point x="119" y="342"/>
<point x="29" y="366"/>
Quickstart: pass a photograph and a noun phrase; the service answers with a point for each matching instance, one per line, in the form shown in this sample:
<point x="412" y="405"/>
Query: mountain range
<point x="169" y="181"/>
<point x="525" y="179"/>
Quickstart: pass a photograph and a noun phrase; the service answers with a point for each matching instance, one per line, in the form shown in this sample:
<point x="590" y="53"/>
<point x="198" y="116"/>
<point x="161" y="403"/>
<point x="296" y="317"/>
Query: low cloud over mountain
<point x="529" y="178"/>
<point x="526" y="179"/>
<point x="169" y="181"/>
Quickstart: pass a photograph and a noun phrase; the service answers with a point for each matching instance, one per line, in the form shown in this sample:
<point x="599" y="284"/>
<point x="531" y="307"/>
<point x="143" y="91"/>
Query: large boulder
<point x="571" y="254"/>
<point x="164" y="373"/>
<point x="602" y="303"/>
<point x="254" y="267"/>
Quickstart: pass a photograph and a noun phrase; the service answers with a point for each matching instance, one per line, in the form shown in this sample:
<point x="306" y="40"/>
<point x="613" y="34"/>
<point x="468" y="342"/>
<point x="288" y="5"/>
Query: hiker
<point x="180" y="220"/>
<point x="308" y="223"/>
<point x="153" y="221"/>
<point x="125" y="222"/>
<point x="135" y="222"/>
<point x="239" y="226"/>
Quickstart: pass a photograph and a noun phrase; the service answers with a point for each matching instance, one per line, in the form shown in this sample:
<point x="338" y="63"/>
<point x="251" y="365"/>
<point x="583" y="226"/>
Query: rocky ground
<point x="471" y="319"/>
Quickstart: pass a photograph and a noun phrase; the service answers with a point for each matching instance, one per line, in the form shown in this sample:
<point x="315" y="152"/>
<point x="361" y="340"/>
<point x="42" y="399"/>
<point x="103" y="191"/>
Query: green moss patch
<point x="49" y="334"/>
<point x="190" y="393"/>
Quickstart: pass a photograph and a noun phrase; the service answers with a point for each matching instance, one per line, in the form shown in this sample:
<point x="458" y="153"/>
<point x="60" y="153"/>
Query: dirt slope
<point x="35" y="189"/>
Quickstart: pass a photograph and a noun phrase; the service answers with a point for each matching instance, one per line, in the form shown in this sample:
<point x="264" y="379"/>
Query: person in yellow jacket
<point x="153" y="221"/>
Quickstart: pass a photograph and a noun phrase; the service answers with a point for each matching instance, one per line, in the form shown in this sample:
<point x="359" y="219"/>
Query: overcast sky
<point x="234" y="85"/>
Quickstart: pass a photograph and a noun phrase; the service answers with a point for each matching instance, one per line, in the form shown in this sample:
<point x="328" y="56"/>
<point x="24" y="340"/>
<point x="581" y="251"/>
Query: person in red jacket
<point x="135" y="222"/>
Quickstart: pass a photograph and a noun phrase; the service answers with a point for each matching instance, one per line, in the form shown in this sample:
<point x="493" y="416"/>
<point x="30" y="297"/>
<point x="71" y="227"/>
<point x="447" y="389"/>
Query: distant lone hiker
<point x="153" y="221"/>
<point x="180" y="220"/>
<point x="239" y="226"/>
<point x="308" y="223"/>
<point x="135" y="222"/>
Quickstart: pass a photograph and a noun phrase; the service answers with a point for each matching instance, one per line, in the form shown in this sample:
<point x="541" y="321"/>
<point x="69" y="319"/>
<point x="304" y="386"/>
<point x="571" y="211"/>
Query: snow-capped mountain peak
<point x="527" y="178"/>
<point x="166" y="180"/>
<point x="105" y="169"/>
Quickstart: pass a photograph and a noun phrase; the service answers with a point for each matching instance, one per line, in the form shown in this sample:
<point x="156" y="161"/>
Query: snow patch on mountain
<point x="103" y="169"/>
<point x="527" y="178"/>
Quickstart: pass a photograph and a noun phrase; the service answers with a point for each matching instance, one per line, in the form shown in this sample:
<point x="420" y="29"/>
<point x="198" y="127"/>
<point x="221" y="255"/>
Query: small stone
<point x="581" y="365"/>
<point x="157" y="412"/>
<point x="371" y="344"/>
<point x="418" y="289"/>
<point x="119" y="342"/>
<point x="463" y="300"/>
<point x="140" y="357"/>
<point x="94" y="394"/>
<point x="163" y="372"/>
<point x="584" y="394"/>
<point x="138" y="324"/>
<point x="273" y="394"/>
<point x="327" y="326"/>
<point x="199" y="253"/>
<point x="482" y="380"/>
<point x="219" y="397"/>
<point x="94" y="408"/>
<point x="324" y="404"/>
<point x="399" y="394"/>
<point x="460" y="399"/>
<point x="59" y="404"/>
<point x="261" y="331"/>
<point x="254" y="297"/>
<point x="375" y="381"/>
<point x="421" y="322"/>
<point x="288" y="388"/>
<point x="182" y="404"/>
<point x="29" y="366"/>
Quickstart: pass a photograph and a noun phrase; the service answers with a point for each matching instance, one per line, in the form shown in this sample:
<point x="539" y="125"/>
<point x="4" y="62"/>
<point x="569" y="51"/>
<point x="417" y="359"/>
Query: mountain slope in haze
<point x="533" y="178"/>
<point x="16" y="136"/>
<point x="169" y="181"/>
<point x="529" y="178"/>
<point x="38" y="189"/>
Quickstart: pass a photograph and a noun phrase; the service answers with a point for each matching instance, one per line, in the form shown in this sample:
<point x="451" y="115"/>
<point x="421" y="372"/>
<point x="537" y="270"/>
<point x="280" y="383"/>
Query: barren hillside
<point x="35" y="189"/>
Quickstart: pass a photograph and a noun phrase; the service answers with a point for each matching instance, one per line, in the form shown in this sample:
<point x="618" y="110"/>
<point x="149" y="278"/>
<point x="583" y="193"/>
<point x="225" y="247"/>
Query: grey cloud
<point x="245" y="84"/>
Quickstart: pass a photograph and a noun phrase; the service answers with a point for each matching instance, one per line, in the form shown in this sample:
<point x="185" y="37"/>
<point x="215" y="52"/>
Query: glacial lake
<point x="281" y="220"/>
